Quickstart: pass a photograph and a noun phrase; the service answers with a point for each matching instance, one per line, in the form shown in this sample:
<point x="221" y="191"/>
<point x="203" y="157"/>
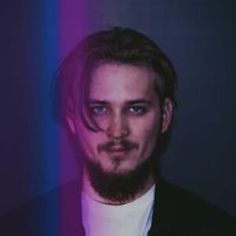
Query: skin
<point x="125" y="105"/>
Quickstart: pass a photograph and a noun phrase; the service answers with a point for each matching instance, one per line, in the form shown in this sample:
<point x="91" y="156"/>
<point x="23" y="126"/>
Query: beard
<point x="119" y="187"/>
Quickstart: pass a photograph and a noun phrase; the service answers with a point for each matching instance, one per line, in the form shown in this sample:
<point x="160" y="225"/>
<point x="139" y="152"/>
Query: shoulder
<point x="185" y="210"/>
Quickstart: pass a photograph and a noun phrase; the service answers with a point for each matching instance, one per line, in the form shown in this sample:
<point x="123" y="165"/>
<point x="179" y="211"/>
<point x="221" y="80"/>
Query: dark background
<point x="198" y="35"/>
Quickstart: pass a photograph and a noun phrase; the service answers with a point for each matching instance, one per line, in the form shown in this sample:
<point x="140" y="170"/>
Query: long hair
<point x="117" y="45"/>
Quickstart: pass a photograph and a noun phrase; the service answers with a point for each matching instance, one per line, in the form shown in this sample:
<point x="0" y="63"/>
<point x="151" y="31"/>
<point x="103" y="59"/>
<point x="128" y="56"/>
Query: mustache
<point x="124" y="144"/>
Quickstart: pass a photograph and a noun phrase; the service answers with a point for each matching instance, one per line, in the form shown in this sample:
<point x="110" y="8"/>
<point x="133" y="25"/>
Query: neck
<point x="92" y="193"/>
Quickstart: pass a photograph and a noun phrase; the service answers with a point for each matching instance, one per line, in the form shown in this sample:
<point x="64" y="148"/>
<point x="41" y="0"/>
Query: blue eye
<point x="98" y="110"/>
<point x="137" y="110"/>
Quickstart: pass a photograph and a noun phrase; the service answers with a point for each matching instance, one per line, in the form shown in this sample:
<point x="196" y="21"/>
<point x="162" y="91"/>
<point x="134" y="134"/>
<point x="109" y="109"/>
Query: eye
<point x="98" y="110"/>
<point x="137" y="110"/>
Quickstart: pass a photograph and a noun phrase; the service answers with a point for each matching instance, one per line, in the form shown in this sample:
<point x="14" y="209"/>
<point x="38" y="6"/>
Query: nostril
<point x="117" y="131"/>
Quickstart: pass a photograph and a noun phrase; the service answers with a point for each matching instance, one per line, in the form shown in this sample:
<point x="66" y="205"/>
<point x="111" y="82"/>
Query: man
<point x="117" y="91"/>
<point x="125" y="109"/>
<point x="116" y="94"/>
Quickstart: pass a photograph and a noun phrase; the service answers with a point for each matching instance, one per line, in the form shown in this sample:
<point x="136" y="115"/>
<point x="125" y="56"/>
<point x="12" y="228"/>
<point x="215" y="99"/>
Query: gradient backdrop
<point x="198" y="35"/>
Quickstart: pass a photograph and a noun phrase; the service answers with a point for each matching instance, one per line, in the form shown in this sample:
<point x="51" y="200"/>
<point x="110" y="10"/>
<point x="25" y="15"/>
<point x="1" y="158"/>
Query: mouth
<point x="121" y="147"/>
<point x="118" y="149"/>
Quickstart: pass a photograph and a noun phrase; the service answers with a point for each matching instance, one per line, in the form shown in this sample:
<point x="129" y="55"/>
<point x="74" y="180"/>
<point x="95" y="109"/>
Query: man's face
<point x="125" y="105"/>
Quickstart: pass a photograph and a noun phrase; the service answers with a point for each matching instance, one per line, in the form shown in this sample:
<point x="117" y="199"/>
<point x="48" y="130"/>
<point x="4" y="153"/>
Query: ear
<point x="167" y="114"/>
<point x="71" y="124"/>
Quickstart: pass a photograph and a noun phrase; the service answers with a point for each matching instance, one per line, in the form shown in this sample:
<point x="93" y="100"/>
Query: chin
<point x="119" y="166"/>
<point x="120" y="182"/>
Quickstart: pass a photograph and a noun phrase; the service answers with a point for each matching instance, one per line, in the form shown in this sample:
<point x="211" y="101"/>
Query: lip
<point x="118" y="149"/>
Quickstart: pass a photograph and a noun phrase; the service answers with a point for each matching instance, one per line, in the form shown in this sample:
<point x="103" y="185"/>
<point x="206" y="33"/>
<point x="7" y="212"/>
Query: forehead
<point x="120" y="82"/>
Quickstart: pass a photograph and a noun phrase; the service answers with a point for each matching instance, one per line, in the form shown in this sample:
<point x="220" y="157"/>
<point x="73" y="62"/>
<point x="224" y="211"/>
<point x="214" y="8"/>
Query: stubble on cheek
<point x="150" y="141"/>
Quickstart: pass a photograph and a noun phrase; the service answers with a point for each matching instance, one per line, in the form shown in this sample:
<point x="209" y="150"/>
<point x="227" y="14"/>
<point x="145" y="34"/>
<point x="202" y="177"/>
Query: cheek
<point x="147" y="126"/>
<point x="89" y="141"/>
<point x="147" y="133"/>
<point x="150" y="137"/>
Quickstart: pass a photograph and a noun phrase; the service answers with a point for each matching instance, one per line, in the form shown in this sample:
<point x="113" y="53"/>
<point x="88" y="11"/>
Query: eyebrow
<point x="129" y="103"/>
<point x="139" y="101"/>
<point x="95" y="101"/>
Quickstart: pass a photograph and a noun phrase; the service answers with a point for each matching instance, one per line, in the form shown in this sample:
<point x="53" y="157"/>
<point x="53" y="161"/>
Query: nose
<point x="117" y="128"/>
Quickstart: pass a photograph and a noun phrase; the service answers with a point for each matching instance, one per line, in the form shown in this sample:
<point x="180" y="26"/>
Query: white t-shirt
<point x="131" y="219"/>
